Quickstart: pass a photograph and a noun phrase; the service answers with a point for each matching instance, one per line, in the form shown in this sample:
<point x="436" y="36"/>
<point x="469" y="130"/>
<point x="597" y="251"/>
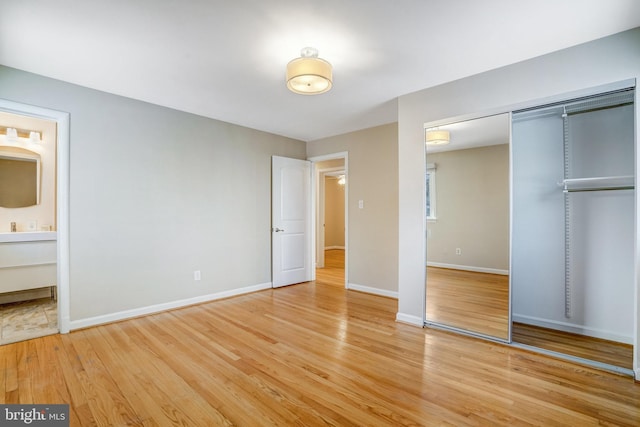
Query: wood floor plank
<point x="11" y="374"/>
<point x="310" y="354"/>
<point x="104" y="397"/>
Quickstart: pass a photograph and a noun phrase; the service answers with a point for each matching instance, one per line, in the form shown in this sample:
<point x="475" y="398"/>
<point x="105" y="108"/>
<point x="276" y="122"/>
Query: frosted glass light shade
<point x="309" y="75"/>
<point x="34" y="137"/>
<point x="437" y="137"/>
<point x="12" y="135"/>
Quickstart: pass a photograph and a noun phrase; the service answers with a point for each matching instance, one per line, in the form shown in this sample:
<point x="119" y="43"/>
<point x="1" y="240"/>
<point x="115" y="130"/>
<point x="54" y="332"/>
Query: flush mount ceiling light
<point x="309" y="75"/>
<point x="437" y="137"/>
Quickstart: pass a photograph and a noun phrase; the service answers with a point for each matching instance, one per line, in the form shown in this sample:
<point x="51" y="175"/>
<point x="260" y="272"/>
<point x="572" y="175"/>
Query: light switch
<point x="361" y="204"/>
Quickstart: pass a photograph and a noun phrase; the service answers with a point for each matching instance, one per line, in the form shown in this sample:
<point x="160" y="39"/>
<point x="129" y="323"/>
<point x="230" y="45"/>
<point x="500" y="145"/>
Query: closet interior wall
<point x="573" y="216"/>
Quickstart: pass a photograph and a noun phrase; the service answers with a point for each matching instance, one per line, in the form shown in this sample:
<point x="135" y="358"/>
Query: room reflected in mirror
<point x="467" y="183"/>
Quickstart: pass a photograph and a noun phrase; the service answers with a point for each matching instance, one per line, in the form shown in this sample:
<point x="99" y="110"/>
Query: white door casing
<point x="62" y="120"/>
<point x="290" y="221"/>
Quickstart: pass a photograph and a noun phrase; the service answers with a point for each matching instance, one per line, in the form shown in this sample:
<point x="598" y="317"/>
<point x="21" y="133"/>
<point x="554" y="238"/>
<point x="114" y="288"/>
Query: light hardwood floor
<point x="476" y="302"/>
<point x="307" y="354"/>
<point x="333" y="271"/>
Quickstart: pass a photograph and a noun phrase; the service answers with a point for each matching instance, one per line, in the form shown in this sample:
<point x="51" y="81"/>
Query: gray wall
<point x="373" y="178"/>
<point x="156" y="194"/>
<point x="600" y="62"/>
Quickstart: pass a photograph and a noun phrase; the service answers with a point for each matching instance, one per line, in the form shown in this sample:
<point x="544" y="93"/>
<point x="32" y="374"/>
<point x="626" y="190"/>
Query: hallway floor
<point x="20" y="321"/>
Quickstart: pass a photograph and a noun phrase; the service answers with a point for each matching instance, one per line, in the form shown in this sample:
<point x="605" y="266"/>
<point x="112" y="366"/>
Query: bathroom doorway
<point x="28" y="272"/>
<point x="34" y="297"/>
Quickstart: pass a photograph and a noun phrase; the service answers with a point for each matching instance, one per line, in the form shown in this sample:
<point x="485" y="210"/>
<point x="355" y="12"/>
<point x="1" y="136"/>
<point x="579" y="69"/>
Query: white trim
<point x="636" y="243"/>
<point x="332" y="156"/>
<point x="374" y="291"/>
<point x="469" y="268"/>
<point x="143" y="311"/>
<point x="62" y="197"/>
<point x="409" y="319"/>
<point x="328" y="248"/>
<point x="572" y="328"/>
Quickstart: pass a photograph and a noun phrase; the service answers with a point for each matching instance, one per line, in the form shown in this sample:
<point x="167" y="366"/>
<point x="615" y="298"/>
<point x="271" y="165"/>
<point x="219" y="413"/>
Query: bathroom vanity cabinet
<point x="27" y="261"/>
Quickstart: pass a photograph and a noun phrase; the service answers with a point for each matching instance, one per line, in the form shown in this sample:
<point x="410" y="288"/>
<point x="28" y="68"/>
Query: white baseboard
<point x="370" y="290"/>
<point x="572" y="328"/>
<point x="409" y="319"/>
<point x="142" y="311"/>
<point x="468" y="268"/>
<point x="637" y="374"/>
<point x="328" y="248"/>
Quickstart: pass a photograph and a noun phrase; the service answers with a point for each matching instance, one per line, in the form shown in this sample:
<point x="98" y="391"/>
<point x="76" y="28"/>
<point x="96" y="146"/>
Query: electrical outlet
<point x="196" y="275"/>
<point x="458" y="251"/>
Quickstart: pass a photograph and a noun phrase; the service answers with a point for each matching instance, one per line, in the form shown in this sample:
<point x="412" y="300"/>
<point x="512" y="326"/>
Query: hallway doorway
<point x="331" y="224"/>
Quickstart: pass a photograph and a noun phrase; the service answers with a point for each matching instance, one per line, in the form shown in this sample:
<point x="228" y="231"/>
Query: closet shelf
<point x="601" y="183"/>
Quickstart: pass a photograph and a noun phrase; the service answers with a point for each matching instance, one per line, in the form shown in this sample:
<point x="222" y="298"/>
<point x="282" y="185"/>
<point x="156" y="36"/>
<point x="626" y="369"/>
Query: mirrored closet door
<point x="467" y="208"/>
<point x="573" y="228"/>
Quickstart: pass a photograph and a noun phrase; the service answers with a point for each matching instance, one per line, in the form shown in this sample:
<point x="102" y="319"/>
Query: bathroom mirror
<point x="19" y="177"/>
<point x="467" y="261"/>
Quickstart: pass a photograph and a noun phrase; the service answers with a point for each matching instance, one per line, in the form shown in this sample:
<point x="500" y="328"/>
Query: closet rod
<point x="623" y="182"/>
<point x="575" y="190"/>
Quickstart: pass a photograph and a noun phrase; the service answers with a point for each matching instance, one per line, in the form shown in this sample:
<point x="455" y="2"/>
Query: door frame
<point x="62" y="198"/>
<point x="315" y="189"/>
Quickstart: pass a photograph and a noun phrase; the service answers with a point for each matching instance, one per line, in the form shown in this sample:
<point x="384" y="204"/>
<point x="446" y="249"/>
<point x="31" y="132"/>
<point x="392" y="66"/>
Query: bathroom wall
<point x="44" y="213"/>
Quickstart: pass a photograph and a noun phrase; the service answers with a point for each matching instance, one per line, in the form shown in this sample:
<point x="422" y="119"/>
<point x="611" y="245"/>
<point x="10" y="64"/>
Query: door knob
<point x="277" y="230"/>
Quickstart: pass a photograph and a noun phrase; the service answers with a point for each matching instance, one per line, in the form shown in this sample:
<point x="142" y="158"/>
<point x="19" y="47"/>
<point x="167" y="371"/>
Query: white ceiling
<point x="226" y="59"/>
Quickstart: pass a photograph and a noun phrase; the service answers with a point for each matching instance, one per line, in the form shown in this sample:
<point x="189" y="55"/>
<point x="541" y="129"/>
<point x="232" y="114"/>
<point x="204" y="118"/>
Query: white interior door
<point x="290" y="221"/>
